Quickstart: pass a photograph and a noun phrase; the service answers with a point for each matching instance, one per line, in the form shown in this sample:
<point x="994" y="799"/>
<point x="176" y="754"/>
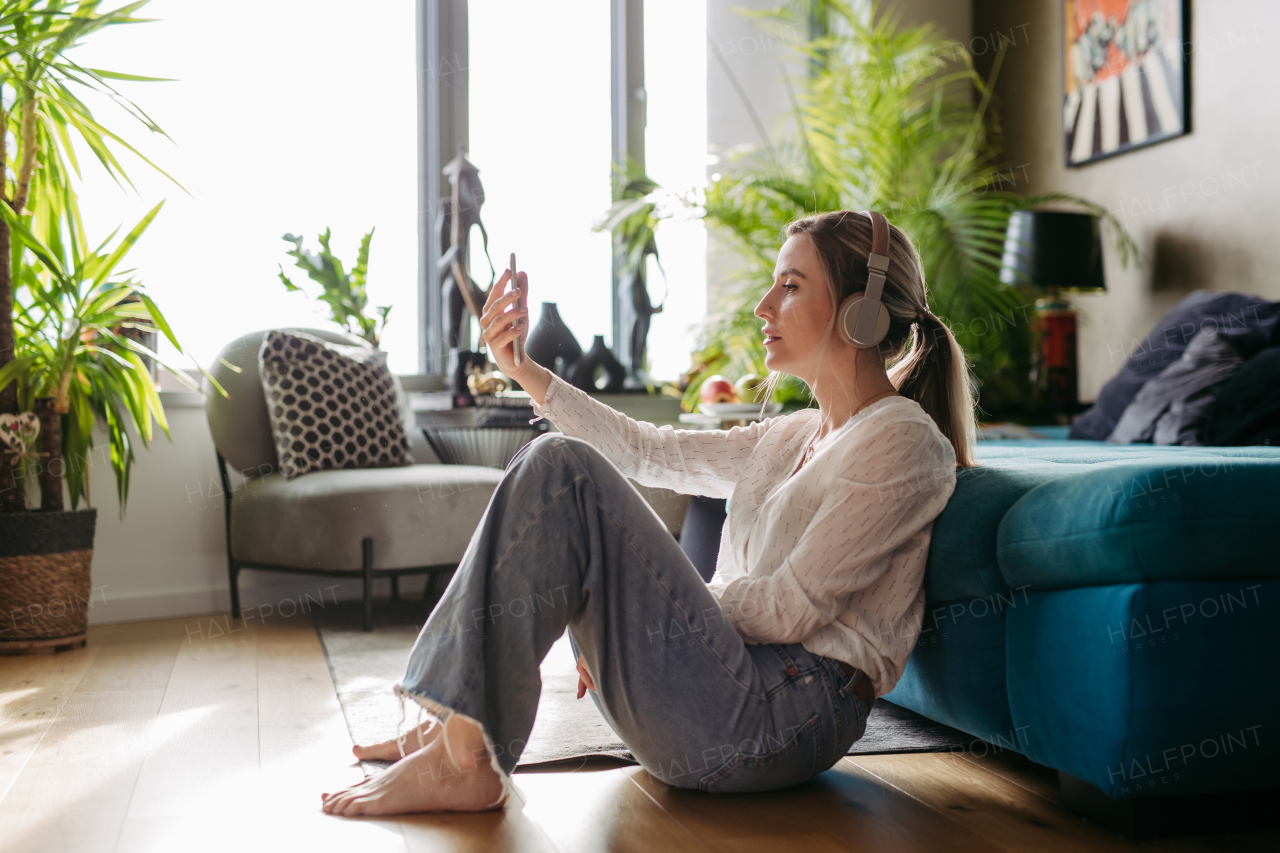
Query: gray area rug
<point x="568" y="731"/>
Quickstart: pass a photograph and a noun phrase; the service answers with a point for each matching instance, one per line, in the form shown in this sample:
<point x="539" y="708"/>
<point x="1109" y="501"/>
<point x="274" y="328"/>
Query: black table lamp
<point x="1056" y="252"/>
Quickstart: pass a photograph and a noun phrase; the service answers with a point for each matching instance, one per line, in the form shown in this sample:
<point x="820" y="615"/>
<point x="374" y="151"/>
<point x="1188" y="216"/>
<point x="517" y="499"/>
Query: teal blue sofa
<point x="1109" y="611"/>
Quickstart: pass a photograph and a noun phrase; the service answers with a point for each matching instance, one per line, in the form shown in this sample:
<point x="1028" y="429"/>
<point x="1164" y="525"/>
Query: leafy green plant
<point x="74" y="315"/>
<point x="42" y="110"/>
<point x="344" y="292"/>
<point x="894" y="119"/>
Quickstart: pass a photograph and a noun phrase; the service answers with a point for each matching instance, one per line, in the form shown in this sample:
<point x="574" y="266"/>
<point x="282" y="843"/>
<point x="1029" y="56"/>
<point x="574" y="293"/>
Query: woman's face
<point x="796" y="310"/>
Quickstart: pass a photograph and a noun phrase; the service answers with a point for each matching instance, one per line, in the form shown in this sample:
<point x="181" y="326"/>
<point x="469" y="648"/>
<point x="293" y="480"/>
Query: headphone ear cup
<point x="847" y="321"/>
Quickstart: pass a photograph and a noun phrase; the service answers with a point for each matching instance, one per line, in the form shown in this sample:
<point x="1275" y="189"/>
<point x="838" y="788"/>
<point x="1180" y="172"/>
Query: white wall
<point x="1202" y="207"/>
<point x="167" y="557"/>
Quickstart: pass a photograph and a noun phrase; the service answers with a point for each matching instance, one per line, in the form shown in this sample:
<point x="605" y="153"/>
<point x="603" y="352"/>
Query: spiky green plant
<point x="43" y="113"/>
<point x="895" y="119"/>
<point x="344" y="292"/>
<point x="75" y="311"/>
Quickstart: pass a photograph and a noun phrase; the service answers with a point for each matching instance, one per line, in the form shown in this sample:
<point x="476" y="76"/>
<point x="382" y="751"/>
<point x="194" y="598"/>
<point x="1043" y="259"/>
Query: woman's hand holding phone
<point x="503" y="320"/>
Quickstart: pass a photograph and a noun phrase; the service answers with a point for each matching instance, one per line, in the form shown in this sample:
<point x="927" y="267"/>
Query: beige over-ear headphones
<point x="862" y="319"/>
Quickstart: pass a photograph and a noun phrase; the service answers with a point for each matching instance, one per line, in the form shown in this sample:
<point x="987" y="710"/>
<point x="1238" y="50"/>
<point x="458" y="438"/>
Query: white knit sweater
<point x="833" y="557"/>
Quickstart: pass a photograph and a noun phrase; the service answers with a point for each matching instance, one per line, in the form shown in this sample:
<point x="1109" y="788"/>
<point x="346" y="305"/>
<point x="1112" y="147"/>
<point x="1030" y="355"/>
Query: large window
<point x="289" y="117"/>
<point x="285" y="117"/>
<point x="675" y="78"/>
<point x="539" y="116"/>
<point x="540" y="134"/>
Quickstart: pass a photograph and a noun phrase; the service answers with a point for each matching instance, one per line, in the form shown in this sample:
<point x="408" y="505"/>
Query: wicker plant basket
<point x="44" y="579"/>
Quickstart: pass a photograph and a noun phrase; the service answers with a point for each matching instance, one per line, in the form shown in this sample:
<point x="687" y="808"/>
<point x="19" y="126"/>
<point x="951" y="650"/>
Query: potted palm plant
<point x="68" y="320"/>
<point x="895" y="119"/>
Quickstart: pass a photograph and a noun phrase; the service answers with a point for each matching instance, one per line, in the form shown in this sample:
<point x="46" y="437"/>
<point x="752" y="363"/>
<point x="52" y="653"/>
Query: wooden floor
<point x="157" y="737"/>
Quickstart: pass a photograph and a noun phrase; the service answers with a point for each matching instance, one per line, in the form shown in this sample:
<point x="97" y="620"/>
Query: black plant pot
<point x="583" y="374"/>
<point x="551" y="340"/>
<point x="44" y="579"/>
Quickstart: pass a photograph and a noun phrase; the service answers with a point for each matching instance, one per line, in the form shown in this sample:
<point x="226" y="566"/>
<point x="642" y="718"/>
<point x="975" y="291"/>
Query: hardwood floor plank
<point x="134" y="656"/>
<point x="507" y="831"/>
<point x="75" y="788"/>
<point x="1021" y="771"/>
<point x="305" y="748"/>
<point x="600" y="811"/>
<point x="843" y="808"/>
<point x="73" y="792"/>
<point x="207" y="730"/>
<point x="1008" y="815"/>
<point x="33" y="688"/>
<point x="167" y="735"/>
<point x="220" y="760"/>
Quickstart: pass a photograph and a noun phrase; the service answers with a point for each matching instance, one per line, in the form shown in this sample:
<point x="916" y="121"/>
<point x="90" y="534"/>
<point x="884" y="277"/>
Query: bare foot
<point x="390" y="750"/>
<point x="428" y="780"/>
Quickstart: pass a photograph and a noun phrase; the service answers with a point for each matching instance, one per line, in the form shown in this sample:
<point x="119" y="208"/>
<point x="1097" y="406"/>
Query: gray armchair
<point x="367" y="523"/>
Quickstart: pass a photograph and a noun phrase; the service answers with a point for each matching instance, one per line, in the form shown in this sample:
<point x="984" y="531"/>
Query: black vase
<point x="551" y="340"/>
<point x="583" y="374"/>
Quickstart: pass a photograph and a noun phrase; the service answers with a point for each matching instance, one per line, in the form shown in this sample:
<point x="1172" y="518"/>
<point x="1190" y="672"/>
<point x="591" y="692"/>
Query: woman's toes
<point x="339" y="804"/>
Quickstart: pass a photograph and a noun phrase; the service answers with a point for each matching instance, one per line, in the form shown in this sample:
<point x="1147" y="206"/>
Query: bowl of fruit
<point x="725" y="399"/>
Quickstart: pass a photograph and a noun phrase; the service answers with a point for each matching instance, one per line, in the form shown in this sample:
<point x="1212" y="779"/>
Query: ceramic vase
<point x="583" y="374"/>
<point x="551" y="344"/>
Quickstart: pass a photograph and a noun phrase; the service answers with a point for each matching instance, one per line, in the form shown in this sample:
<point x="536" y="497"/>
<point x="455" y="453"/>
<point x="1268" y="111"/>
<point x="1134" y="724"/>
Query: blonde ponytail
<point x="933" y="372"/>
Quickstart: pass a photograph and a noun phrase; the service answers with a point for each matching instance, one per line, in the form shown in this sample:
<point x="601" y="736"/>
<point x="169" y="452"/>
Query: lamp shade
<point x="1053" y="250"/>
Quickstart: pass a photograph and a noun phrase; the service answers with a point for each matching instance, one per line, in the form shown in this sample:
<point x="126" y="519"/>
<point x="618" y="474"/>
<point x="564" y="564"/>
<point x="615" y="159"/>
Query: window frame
<point x="443" y="129"/>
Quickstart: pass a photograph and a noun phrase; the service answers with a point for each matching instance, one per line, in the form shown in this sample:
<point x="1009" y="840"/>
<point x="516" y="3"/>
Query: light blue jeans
<point x="567" y="541"/>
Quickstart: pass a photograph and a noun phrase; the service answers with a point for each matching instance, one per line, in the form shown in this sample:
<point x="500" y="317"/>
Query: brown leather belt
<point x="864" y="688"/>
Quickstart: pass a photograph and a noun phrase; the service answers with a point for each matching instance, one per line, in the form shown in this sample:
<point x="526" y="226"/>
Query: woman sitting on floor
<point x="764" y="677"/>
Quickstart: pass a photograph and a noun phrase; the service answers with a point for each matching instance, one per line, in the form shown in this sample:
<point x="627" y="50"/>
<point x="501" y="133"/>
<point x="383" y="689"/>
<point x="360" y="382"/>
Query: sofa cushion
<point x="1163" y="513"/>
<point x="417" y="515"/>
<point x="962" y="551"/>
<point x="1149" y="689"/>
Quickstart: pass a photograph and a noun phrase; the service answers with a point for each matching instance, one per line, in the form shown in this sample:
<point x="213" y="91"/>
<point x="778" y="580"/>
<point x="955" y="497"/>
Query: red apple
<point x="717" y="389"/>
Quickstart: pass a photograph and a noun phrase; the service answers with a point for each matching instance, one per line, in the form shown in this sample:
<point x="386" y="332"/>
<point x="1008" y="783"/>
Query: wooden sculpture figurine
<point x="459" y="211"/>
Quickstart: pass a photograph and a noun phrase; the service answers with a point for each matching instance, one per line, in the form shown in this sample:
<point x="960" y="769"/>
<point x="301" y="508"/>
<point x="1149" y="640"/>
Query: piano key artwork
<point x="1125" y="76"/>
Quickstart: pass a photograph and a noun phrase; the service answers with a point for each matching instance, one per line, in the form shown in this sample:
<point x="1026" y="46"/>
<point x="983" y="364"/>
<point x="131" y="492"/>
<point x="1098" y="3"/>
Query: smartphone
<point x="518" y="346"/>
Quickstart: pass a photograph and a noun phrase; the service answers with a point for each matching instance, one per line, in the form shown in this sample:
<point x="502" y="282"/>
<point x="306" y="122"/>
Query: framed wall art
<point x="1125" y="76"/>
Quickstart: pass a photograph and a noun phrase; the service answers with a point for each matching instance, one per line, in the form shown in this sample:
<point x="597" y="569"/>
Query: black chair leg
<point x="395" y="587"/>
<point x="434" y="588"/>
<point x="366" y="549"/>
<point x="233" y="570"/>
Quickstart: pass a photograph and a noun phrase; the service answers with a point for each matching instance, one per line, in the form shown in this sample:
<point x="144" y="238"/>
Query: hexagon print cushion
<point x="330" y="406"/>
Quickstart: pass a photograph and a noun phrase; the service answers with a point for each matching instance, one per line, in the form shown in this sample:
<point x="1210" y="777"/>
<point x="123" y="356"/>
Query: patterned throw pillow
<point x="330" y="406"/>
